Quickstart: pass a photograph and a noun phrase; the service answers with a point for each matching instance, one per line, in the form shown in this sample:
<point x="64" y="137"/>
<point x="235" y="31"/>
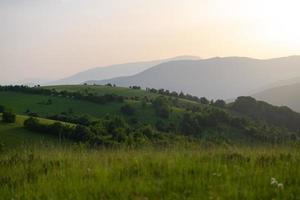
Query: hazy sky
<point x="51" y="39"/>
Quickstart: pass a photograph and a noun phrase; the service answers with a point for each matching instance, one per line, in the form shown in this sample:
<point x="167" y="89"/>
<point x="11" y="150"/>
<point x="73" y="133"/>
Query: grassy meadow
<point x="179" y="173"/>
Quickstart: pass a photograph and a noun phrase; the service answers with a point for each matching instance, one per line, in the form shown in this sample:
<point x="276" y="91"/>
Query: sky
<point x="51" y="39"/>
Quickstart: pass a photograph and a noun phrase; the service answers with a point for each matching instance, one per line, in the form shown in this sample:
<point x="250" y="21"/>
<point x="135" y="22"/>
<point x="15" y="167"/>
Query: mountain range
<point x="107" y="72"/>
<point x="214" y="78"/>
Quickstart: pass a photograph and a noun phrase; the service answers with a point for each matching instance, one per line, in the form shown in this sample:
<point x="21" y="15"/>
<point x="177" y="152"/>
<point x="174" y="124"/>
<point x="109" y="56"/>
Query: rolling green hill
<point x="36" y="104"/>
<point x="170" y="115"/>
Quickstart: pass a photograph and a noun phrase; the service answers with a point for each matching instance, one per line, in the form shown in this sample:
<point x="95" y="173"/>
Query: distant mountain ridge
<point x="287" y="95"/>
<point x="214" y="78"/>
<point x="102" y="73"/>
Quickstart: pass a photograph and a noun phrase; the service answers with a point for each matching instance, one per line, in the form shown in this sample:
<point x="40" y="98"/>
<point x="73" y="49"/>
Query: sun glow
<point x="278" y="22"/>
<point x="84" y="33"/>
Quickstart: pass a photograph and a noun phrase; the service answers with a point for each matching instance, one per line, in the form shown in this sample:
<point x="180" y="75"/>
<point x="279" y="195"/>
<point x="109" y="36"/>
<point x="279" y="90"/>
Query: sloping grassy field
<point x="21" y="102"/>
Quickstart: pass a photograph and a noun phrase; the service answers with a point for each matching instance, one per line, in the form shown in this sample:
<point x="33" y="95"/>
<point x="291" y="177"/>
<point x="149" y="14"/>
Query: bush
<point x="31" y="123"/>
<point x="2" y="108"/>
<point x="127" y="109"/>
<point x="161" y="126"/>
<point x="8" y="117"/>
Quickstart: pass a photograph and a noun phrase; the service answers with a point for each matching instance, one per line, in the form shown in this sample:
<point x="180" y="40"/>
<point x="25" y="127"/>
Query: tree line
<point x="262" y="111"/>
<point x="106" y="98"/>
<point x="110" y="131"/>
<point x="195" y="124"/>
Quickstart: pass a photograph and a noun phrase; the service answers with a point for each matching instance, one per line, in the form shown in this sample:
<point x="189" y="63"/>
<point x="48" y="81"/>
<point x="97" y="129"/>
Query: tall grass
<point x="177" y="173"/>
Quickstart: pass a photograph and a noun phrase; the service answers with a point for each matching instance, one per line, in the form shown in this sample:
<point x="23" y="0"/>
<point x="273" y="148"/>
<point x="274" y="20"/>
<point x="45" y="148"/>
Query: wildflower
<point x="274" y="181"/>
<point x="280" y="186"/>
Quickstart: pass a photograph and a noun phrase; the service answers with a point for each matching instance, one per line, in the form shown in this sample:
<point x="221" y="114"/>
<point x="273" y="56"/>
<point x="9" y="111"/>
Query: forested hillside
<point x="108" y="115"/>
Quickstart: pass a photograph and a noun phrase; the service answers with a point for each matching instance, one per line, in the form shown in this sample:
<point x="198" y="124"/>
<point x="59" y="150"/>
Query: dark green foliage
<point x="194" y="124"/>
<point x="8" y="117"/>
<point x="55" y="129"/>
<point x="216" y="120"/>
<point x="175" y="94"/>
<point x="84" y="120"/>
<point x="135" y="87"/>
<point x="219" y="103"/>
<point x="108" y="131"/>
<point x="162" y="107"/>
<point x="203" y="100"/>
<point x="262" y="111"/>
<point x="127" y="109"/>
<point x="2" y="108"/>
<point x="82" y="134"/>
<point x="161" y="126"/>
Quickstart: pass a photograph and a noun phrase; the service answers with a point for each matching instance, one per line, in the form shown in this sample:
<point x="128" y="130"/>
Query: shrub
<point x="8" y="117"/>
<point x="127" y="109"/>
<point x="160" y="126"/>
<point x="2" y="108"/>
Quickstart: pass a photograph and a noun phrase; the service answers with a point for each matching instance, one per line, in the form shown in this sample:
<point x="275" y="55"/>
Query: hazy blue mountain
<point x="215" y="78"/>
<point x="101" y="73"/>
<point x="287" y="95"/>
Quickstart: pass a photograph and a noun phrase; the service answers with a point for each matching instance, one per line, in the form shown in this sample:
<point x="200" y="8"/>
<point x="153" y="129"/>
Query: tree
<point x="9" y="117"/>
<point x="203" y="100"/>
<point x="82" y="133"/>
<point x="162" y="107"/>
<point x="220" y="103"/>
